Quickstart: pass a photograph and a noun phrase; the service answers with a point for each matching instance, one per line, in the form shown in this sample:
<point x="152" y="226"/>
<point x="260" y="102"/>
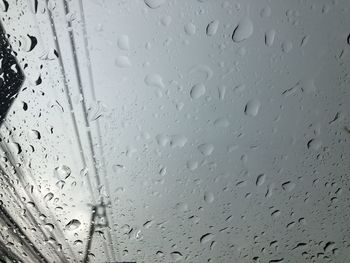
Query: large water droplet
<point x="73" y="225"/>
<point x="206" y="238"/>
<point x="48" y="197"/>
<point x="243" y="30"/>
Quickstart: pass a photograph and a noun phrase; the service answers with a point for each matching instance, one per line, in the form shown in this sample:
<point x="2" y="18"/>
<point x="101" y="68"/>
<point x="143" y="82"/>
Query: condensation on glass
<point x="177" y="131"/>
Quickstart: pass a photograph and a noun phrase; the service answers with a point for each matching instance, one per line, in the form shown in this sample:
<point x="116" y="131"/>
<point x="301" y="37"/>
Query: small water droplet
<point x="176" y="256"/>
<point x="192" y="165"/>
<point x="122" y="62"/>
<point x="197" y="91"/>
<point x="123" y="42"/>
<point x="154" y="80"/>
<point x="212" y="28"/>
<point x="190" y="29"/>
<point x="252" y="107"/>
<point x="209" y="197"/>
<point x="288" y="186"/>
<point x="206" y="149"/>
<point x="260" y="180"/>
<point x="269" y="37"/>
<point x="314" y="144"/>
<point x="222" y="123"/>
<point x="154" y="3"/>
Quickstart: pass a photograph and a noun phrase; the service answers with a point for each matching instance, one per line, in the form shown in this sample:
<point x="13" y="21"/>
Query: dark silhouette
<point x="11" y="75"/>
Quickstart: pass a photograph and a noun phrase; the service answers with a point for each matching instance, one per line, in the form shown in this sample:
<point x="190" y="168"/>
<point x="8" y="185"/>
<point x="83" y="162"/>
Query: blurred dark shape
<point x="11" y="75"/>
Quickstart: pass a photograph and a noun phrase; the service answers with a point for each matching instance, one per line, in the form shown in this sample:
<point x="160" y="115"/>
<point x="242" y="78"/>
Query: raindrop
<point x="222" y="123"/>
<point x="154" y="80"/>
<point x="48" y="197"/>
<point x="206" y="149"/>
<point x="33" y="42"/>
<point x="63" y="171"/>
<point x="265" y="12"/>
<point x="209" y="197"/>
<point x="197" y="91"/>
<point x="206" y="238"/>
<point x="190" y="29"/>
<point x="314" y="144"/>
<point x="176" y="256"/>
<point x="73" y="225"/>
<point x="212" y="28"/>
<point x="154" y="3"/>
<point x="49" y="227"/>
<point x="260" y="180"/>
<point x="252" y="107"/>
<point x="243" y="30"/>
<point x="192" y="165"/>
<point x="288" y="186"/>
<point x="122" y="62"/>
<point x="270" y="37"/>
<point x="123" y="42"/>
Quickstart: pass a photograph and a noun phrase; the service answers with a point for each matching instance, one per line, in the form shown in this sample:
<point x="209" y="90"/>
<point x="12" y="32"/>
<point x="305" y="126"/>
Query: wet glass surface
<point x="176" y="131"/>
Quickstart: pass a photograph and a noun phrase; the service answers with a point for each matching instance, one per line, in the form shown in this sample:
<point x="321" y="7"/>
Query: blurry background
<point x="177" y="131"/>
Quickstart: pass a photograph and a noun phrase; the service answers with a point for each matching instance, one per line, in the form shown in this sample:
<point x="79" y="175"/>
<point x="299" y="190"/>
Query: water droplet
<point x="212" y="28"/>
<point x="190" y="29"/>
<point x="178" y="141"/>
<point x="265" y="12"/>
<point x="252" y="107"/>
<point x="162" y="140"/>
<point x="154" y="80"/>
<point x="176" y="256"/>
<point x="154" y="3"/>
<point x="222" y="92"/>
<point x="197" y="91"/>
<point x="314" y="144"/>
<point x="206" y="238"/>
<point x="269" y="37"/>
<point x="48" y="197"/>
<point x="287" y="46"/>
<point x="123" y="42"/>
<point x="206" y="149"/>
<point x="222" y="123"/>
<point x="122" y="62"/>
<point x="32" y="42"/>
<point x="209" y="197"/>
<point x="62" y="171"/>
<point x="288" y="186"/>
<point x="260" y="180"/>
<point x="243" y="30"/>
<point x="192" y="165"/>
<point x="182" y="207"/>
<point x="166" y="20"/>
<point x="49" y="227"/>
<point x="73" y="225"/>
